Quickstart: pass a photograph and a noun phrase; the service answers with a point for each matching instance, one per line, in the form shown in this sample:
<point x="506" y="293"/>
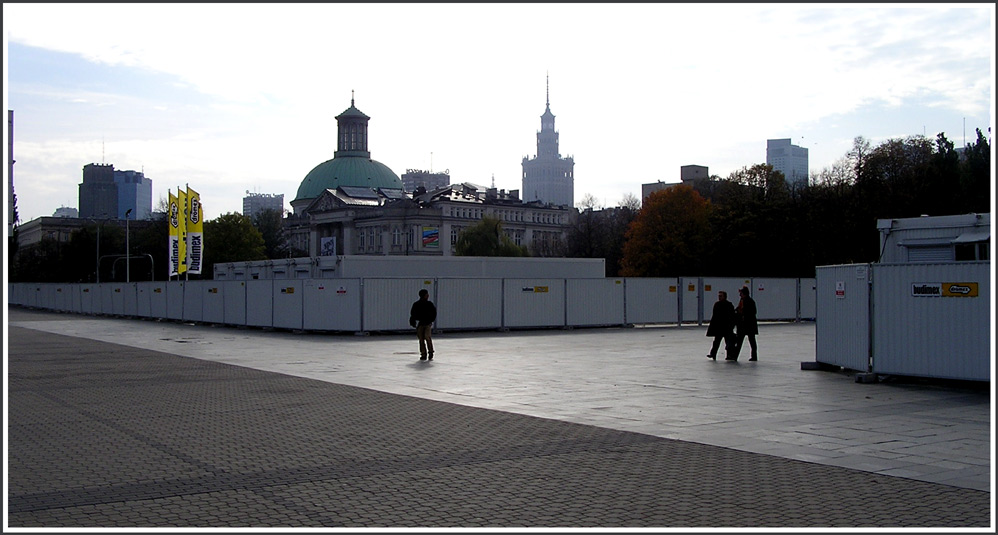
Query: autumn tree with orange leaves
<point x="670" y="236"/>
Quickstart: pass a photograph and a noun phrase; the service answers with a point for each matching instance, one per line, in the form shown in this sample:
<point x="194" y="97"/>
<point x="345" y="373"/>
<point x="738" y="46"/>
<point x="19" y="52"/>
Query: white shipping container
<point x="233" y="302"/>
<point x="158" y="299"/>
<point x="691" y="295"/>
<point x="469" y="304"/>
<point x="175" y="300"/>
<point x="775" y="299"/>
<point x="288" y="304"/>
<point x="842" y="325"/>
<point x="534" y="303"/>
<point x="88" y="298"/>
<point x="331" y="305"/>
<point x="651" y="300"/>
<point x="194" y="292"/>
<point x="260" y="303"/>
<point x="110" y="298"/>
<point x="386" y="302"/>
<point x="130" y="299"/>
<point x="712" y="285"/>
<point x="594" y="302"/>
<point x="932" y="320"/>
<point x="807" y="300"/>
<point x="213" y="302"/>
<point x="143" y="299"/>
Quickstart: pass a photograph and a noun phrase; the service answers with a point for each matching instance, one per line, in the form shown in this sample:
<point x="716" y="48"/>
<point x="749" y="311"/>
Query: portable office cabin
<point x="923" y="310"/>
<point x="364" y="266"/>
<point x="954" y="238"/>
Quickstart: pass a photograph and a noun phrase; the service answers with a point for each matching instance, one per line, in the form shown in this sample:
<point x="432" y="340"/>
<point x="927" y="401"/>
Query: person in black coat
<point x="722" y="325"/>
<point x="745" y="322"/>
<point x="421" y="316"/>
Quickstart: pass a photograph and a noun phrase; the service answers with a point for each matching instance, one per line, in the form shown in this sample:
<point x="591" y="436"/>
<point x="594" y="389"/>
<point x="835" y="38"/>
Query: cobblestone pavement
<point x="107" y="435"/>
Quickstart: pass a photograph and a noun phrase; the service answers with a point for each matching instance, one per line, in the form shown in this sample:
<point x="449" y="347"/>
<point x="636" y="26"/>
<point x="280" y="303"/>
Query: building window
<point x="396" y="237"/>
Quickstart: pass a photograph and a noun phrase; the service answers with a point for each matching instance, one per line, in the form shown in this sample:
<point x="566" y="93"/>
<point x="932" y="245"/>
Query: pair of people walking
<point x="733" y="324"/>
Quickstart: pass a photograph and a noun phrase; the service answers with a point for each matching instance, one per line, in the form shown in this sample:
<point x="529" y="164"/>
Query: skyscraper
<point x="790" y="159"/>
<point x="108" y="194"/>
<point x="134" y="193"/>
<point x="548" y="177"/>
<point x="428" y="180"/>
<point x="255" y="203"/>
<point x="98" y="192"/>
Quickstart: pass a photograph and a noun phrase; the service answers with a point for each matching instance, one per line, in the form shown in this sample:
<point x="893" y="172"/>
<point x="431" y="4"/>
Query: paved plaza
<point x="116" y="422"/>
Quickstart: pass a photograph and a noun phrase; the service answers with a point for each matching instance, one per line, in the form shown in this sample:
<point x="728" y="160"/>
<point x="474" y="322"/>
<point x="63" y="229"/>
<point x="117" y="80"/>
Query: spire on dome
<point x="351" y="98"/>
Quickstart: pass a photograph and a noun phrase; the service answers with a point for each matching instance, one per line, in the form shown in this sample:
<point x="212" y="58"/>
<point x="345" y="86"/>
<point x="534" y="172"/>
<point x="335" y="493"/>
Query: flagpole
<point x="187" y="207"/>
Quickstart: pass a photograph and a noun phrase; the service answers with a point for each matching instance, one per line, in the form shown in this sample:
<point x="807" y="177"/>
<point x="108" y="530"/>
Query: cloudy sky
<point x="235" y="97"/>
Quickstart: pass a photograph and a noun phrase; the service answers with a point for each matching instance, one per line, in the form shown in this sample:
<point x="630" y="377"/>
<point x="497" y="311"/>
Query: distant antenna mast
<point x="431" y="162"/>
<point x="547" y="89"/>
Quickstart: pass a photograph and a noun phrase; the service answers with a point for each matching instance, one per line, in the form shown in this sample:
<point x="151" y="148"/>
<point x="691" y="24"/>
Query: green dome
<point x="347" y="171"/>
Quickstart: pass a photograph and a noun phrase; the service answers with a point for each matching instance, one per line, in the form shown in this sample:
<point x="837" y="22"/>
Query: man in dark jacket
<point x="722" y="325"/>
<point x="745" y="321"/>
<point x="421" y="316"/>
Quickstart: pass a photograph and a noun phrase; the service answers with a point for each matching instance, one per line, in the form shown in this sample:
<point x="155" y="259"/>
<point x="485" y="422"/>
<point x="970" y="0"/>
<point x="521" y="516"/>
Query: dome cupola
<point x="351" y="164"/>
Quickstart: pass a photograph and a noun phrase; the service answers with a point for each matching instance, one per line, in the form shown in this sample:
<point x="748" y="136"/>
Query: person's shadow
<point x="418" y="364"/>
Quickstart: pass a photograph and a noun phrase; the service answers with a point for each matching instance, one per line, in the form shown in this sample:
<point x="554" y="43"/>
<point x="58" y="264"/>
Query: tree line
<point x="751" y="223"/>
<point x="230" y="237"/>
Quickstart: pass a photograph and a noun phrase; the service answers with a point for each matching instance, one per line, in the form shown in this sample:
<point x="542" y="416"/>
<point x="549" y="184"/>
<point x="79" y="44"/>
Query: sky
<point x="230" y="98"/>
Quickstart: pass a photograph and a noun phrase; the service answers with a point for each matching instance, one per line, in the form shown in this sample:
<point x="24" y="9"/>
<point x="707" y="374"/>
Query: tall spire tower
<point x="548" y="177"/>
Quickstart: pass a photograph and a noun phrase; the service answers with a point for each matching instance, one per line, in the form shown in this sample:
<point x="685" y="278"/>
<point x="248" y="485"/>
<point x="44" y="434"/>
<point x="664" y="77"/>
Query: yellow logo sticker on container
<point x="960" y="289"/>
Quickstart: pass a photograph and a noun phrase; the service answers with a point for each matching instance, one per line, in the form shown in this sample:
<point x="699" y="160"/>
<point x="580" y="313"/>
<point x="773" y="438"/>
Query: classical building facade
<point x="353" y="205"/>
<point x="547" y="177"/>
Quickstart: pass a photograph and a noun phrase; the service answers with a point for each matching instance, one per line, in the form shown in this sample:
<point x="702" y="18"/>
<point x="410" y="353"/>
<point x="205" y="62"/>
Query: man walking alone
<point x="421" y="316"/>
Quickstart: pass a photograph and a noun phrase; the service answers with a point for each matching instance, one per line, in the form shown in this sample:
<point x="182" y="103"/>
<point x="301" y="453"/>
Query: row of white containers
<point x="874" y="318"/>
<point x="382" y="304"/>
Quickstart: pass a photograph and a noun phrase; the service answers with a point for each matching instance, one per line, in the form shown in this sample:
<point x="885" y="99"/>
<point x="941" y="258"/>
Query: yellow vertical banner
<point x="173" y="221"/>
<point x="182" y="231"/>
<point x="195" y="234"/>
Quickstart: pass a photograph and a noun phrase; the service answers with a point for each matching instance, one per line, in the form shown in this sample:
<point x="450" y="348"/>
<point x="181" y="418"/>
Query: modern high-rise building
<point x="790" y="159"/>
<point x="414" y="178"/>
<point x="98" y="192"/>
<point x="66" y="211"/>
<point x="135" y="194"/>
<point x="548" y="177"/>
<point x="255" y="203"/>
<point x="109" y="194"/>
<point x="691" y="173"/>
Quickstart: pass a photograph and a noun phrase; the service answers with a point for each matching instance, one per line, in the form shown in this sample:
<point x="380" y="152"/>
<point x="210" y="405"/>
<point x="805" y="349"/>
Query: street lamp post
<point x="128" y="252"/>
<point x="97" y="272"/>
